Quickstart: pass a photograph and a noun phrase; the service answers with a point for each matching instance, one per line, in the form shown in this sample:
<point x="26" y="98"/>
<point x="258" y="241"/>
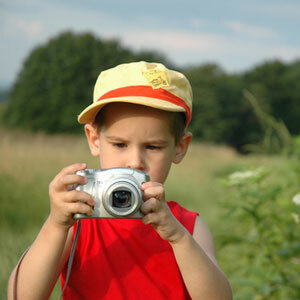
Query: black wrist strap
<point x="70" y="261"/>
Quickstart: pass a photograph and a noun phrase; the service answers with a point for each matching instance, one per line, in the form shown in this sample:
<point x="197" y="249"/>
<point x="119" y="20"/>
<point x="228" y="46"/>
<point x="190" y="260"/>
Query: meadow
<point x="253" y="219"/>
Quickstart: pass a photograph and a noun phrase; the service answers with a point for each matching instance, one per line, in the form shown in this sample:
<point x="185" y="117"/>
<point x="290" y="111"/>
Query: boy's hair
<point x="177" y="122"/>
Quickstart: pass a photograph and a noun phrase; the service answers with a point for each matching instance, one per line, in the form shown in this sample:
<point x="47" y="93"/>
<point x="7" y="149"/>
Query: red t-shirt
<point x="125" y="259"/>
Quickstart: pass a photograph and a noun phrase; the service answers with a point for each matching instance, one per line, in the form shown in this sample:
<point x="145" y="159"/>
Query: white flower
<point x="245" y="176"/>
<point x="296" y="199"/>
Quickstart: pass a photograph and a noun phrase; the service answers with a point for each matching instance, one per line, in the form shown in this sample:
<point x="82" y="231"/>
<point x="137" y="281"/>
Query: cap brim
<point x="88" y="115"/>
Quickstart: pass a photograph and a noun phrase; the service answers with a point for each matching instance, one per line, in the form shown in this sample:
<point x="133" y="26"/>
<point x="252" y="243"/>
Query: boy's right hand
<point x="66" y="201"/>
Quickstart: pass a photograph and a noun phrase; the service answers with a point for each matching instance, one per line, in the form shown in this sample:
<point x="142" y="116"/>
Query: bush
<point x="265" y="207"/>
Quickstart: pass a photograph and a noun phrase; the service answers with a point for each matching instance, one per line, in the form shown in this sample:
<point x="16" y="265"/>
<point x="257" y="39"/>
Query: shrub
<point x="264" y="208"/>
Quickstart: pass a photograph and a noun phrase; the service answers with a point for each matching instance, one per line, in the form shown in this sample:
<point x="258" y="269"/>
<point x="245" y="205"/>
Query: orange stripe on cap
<point x="148" y="91"/>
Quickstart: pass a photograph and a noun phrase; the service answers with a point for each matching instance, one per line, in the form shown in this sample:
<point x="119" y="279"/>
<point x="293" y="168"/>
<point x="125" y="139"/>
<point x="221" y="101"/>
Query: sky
<point x="237" y="35"/>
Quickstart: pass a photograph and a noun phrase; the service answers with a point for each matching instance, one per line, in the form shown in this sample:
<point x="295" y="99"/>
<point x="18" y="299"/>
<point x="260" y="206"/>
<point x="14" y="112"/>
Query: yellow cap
<point x="149" y="84"/>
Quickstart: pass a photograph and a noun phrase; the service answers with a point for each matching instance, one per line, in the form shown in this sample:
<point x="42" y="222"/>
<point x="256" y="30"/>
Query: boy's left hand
<point x="158" y="214"/>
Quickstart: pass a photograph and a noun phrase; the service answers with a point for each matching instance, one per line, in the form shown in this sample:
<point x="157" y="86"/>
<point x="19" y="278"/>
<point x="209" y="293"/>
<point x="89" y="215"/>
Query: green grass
<point x="29" y="162"/>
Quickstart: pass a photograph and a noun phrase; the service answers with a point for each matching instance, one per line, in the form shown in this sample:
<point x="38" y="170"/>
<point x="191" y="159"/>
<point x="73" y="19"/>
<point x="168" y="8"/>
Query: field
<point x="28" y="163"/>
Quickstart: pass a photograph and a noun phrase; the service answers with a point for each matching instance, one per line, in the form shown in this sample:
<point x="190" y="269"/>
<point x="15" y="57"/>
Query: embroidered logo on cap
<point x="156" y="78"/>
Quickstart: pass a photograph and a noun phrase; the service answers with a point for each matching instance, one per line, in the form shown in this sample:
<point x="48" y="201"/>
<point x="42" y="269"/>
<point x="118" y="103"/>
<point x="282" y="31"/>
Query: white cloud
<point x="168" y="40"/>
<point x="31" y="29"/>
<point x="233" y="53"/>
<point x="235" y="44"/>
<point x="16" y="25"/>
<point x="250" y="30"/>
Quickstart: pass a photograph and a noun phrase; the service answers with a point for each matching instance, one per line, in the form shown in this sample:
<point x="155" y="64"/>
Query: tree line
<point x="56" y="82"/>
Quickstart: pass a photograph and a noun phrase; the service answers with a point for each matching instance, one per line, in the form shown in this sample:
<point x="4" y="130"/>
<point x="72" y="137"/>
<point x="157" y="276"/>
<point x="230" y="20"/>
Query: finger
<point x="151" y="218"/>
<point x="72" y="169"/>
<point x="56" y="183"/>
<point x="73" y="179"/>
<point x="149" y="184"/>
<point x="79" y="196"/>
<point x="80" y="208"/>
<point x="157" y="192"/>
<point x="151" y="205"/>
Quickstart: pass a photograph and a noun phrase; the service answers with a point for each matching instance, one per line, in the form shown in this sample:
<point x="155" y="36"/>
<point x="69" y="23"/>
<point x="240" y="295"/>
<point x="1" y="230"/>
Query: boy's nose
<point x="135" y="160"/>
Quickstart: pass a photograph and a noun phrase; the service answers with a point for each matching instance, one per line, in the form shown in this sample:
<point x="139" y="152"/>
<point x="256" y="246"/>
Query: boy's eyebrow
<point x="116" y="138"/>
<point x="150" y="141"/>
<point x="156" y="141"/>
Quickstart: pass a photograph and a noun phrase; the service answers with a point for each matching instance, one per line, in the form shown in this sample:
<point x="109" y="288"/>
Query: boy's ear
<point x="92" y="136"/>
<point x="182" y="147"/>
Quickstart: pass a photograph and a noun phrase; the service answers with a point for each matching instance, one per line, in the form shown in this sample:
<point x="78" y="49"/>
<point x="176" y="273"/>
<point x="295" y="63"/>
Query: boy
<point x="137" y="121"/>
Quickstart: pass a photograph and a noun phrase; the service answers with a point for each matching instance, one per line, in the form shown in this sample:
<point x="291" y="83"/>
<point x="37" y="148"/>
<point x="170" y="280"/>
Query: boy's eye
<point x="119" y="145"/>
<point x="153" y="147"/>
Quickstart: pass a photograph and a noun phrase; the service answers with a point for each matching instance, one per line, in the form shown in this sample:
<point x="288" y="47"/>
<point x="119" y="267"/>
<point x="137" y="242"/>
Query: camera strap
<point x="69" y="267"/>
<point x="14" y="291"/>
<point x="71" y="257"/>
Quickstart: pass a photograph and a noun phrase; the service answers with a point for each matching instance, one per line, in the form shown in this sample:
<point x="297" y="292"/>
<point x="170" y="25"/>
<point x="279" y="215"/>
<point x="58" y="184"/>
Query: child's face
<point x="137" y="137"/>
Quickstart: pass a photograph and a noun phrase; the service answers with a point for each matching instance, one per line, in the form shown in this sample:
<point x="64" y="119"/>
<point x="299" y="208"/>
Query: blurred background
<point x="242" y="173"/>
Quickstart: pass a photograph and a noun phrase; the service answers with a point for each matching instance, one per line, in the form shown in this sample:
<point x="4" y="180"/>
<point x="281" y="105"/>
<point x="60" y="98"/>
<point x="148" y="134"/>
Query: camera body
<point x="116" y="192"/>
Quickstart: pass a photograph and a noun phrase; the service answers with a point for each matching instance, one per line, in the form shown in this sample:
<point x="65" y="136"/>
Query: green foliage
<point x="277" y="137"/>
<point x="220" y="113"/>
<point x="2" y="110"/>
<point x="293" y="150"/>
<point x="57" y="80"/>
<point x="256" y="224"/>
<point x="265" y="213"/>
<point x="277" y="86"/>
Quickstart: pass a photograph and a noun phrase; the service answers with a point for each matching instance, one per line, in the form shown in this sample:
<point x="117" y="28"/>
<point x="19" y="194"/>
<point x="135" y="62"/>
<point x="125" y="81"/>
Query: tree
<point x="205" y="105"/>
<point x="220" y="113"/>
<point x="276" y="85"/>
<point x="57" y="80"/>
<point x="290" y="111"/>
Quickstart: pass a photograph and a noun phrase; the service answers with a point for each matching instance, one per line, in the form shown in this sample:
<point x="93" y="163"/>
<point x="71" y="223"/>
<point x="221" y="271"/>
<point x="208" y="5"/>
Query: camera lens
<point x="121" y="199"/>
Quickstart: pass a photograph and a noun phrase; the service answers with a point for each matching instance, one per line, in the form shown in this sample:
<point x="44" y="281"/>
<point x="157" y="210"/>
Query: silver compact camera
<point x="116" y="192"/>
